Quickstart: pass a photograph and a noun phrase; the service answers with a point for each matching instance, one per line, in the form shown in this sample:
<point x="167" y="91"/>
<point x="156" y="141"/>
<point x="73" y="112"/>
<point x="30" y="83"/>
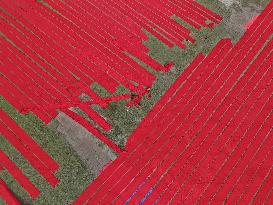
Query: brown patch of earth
<point x="228" y="3"/>
<point x="92" y="152"/>
<point x="242" y="12"/>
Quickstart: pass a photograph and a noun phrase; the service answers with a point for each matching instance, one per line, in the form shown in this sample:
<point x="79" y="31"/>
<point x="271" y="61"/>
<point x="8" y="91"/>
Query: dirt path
<point x="242" y="11"/>
<point x="228" y="3"/>
<point x="90" y="150"/>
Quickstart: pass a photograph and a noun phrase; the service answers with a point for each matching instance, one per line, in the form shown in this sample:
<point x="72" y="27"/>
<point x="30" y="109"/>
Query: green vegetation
<point x="73" y="174"/>
<point x="125" y="119"/>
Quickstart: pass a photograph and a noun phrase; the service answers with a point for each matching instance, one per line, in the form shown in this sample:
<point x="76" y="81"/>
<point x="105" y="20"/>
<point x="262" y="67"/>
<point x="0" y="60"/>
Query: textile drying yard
<point x="136" y="102"/>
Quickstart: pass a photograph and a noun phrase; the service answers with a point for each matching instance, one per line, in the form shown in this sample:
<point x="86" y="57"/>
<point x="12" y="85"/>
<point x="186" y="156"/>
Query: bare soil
<point x="90" y="150"/>
<point x="242" y="11"/>
<point x="228" y="3"/>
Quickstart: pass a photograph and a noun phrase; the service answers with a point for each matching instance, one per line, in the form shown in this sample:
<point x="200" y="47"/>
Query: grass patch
<point x="125" y="119"/>
<point x="73" y="174"/>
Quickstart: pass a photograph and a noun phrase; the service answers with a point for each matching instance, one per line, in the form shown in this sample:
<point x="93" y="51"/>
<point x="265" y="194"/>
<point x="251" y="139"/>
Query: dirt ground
<point x="90" y="150"/>
<point x="228" y="3"/>
<point x="241" y="12"/>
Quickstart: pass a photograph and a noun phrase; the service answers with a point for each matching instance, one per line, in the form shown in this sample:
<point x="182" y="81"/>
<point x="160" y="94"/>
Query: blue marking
<point x="146" y="195"/>
<point x="138" y="188"/>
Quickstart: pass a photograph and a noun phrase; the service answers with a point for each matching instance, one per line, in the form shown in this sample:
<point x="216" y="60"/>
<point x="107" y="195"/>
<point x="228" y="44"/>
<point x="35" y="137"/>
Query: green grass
<point x="73" y="173"/>
<point x="125" y="119"/>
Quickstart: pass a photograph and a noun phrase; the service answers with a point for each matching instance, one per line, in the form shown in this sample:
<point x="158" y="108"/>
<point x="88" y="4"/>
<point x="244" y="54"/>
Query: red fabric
<point x="7" y="196"/>
<point x="209" y="138"/>
<point x="250" y="22"/>
<point x="65" y="54"/>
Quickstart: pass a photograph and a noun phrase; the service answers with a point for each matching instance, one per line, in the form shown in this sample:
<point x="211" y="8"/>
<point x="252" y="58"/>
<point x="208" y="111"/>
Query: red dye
<point x="209" y="138"/>
<point x="18" y="175"/>
<point x="6" y="195"/>
<point x="52" y="57"/>
<point x="30" y="150"/>
<point x="250" y="22"/>
<point x="169" y="65"/>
